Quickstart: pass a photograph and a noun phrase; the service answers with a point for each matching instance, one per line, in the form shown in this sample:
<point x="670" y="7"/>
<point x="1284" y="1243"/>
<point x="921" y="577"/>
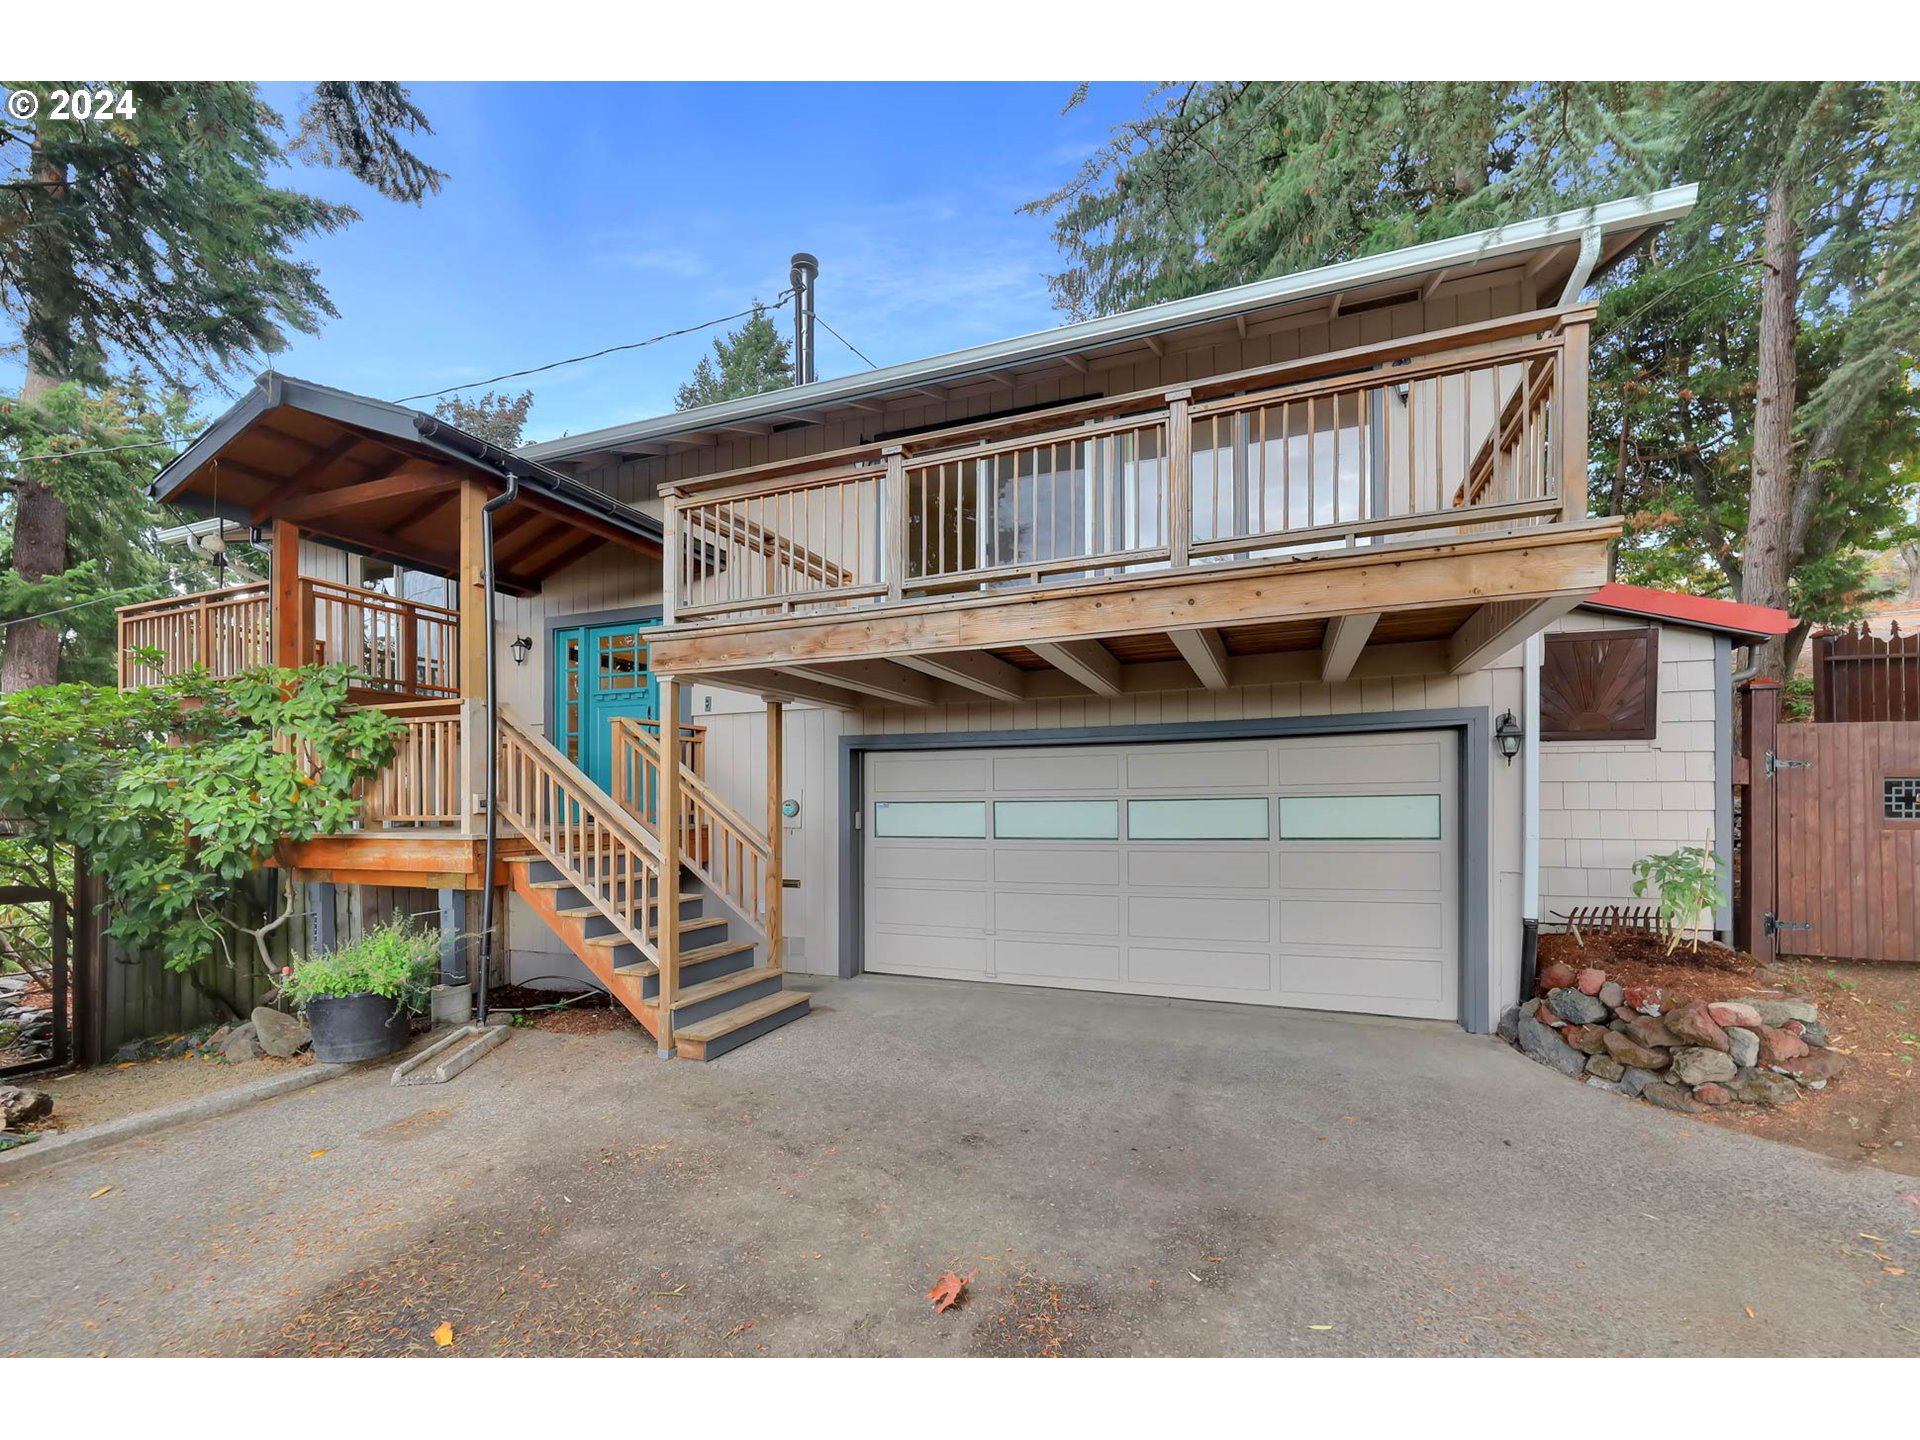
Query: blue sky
<point x="579" y="216"/>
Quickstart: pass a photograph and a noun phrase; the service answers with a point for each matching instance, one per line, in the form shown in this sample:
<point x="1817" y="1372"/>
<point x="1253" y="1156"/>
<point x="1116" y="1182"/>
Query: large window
<point x="1600" y="685"/>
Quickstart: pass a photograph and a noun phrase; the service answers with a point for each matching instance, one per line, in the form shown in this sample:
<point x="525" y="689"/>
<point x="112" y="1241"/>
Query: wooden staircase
<point x="695" y="963"/>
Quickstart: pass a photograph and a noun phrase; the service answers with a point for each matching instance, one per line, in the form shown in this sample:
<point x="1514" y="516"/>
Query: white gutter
<point x="1535" y="651"/>
<point x="1635" y="212"/>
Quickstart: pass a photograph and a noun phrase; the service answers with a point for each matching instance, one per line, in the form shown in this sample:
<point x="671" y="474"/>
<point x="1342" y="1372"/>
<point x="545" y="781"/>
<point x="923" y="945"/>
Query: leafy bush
<point x="395" y="961"/>
<point x="1688" y="880"/>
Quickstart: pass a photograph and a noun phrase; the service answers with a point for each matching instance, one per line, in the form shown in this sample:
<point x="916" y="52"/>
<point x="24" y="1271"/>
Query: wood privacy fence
<point x="1830" y="844"/>
<point x="1859" y="676"/>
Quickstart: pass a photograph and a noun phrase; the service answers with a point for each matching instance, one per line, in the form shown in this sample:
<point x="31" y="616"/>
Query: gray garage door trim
<point x="1471" y="727"/>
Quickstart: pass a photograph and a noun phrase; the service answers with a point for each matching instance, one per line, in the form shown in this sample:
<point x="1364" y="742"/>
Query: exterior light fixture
<point x="1507" y="735"/>
<point x="522" y="647"/>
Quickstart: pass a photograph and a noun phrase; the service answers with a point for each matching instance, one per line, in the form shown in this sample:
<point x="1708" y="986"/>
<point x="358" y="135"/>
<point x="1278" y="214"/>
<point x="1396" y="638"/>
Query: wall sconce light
<point x="522" y="647"/>
<point x="1507" y="734"/>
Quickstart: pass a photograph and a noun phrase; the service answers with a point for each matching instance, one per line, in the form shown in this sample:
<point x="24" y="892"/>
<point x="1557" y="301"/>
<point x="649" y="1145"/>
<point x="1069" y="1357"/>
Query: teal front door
<point x="600" y="672"/>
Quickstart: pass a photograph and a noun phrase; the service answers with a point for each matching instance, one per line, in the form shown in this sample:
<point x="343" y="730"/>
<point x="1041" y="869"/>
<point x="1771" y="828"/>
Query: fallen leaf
<point x="947" y="1292"/>
<point x="443" y="1334"/>
<point x="1195" y="1278"/>
<point x="315" y="1154"/>
<point x="1893" y="1269"/>
<point x="1877" y="1239"/>
<point x="1750" y="1314"/>
<point x="101" y="1191"/>
<point x="1319" y="1327"/>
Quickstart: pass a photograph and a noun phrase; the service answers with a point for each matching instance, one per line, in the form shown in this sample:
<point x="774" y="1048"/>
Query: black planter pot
<point x="347" y="1028"/>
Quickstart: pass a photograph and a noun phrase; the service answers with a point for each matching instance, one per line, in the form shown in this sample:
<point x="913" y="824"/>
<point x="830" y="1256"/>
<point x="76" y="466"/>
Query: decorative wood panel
<point x="1600" y="685"/>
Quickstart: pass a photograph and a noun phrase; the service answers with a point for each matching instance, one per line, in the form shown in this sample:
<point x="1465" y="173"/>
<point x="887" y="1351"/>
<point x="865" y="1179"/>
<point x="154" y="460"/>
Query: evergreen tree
<point x="751" y="360"/>
<point x="157" y="241"/>
<point x="1752" y="415"/>
<point x="497" y="418"/>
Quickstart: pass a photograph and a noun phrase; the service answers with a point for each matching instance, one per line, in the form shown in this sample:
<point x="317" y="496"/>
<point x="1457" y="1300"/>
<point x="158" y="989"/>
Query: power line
<point x="846" y="342"/>
<point x="76" y="454"/>
<point x="784" y="295"/>
<point x="64" y="609"/>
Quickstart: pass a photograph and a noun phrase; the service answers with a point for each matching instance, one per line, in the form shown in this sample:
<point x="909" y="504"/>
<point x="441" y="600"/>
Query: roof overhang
<point x="383" y="480"/>
<point x="1620" y="224"/>
<point x="1751" y="622"/>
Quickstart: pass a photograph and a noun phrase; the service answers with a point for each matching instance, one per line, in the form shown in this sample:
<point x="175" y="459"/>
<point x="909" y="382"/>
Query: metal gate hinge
<point x="1774" y="924"/>
<point x="1776" y="762"/>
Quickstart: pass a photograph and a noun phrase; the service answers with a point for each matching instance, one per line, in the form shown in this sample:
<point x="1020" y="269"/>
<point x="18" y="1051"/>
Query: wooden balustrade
<point x="421" y="785"/>
<point x="1460" y="432"/>
<point x="220" y="631"/>
<point x="715" y="842"/>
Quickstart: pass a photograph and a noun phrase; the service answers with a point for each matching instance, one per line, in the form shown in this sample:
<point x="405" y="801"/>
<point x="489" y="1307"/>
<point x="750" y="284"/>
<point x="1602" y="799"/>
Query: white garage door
<point x="1319" y="872"/>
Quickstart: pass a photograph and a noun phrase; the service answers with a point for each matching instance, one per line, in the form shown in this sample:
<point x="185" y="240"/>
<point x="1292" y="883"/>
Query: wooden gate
<point x="1858" y="676"/>
<point x="1830" y="843"/>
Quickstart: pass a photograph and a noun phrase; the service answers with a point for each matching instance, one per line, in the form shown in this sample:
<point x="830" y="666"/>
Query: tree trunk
<point x="1767" y="565"/>
<point x="40" y="516"/>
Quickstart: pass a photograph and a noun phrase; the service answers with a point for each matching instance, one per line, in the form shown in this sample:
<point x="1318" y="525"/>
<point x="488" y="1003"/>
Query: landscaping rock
<point x="1625" y="1014"/>
<point x="281" y="1036"/>
<point x="1691" y="1024"/>
<point x="1777" y="1046"/>
<point x="242" y="1044"/>
<point x="22" y="1107"/>
<point x="1672" y="1097"/>
<point x="1557" y="976"/>
<point x="1624" y="1049"/>
<point x="1590" y="980"/>
<point x="1644" y="998"/>
<point x="1651" y="1031"/>
<point x="1699" y="1065"/>
<point x="1712" y="1094"/>
<point x="1763" y="1087"/>
<point x="1816" y="1065"/>
<point x="1605" y="1066"/>
<point x="1735" y="1012"/>
<point x="1745" y="1046"/>
<point x="1814" y="1033"/>
<point x="1576" y="1007"/>
<point x="1540" y="1043"/>
<point x="1509" y="1027"/>
<point x="1778" y="1012"/>
<point x="1612" y="995"/>
<point x="1532" y="1007"/>
<point x="1633" y="1079"/>
<point x="1587" y="1039"/>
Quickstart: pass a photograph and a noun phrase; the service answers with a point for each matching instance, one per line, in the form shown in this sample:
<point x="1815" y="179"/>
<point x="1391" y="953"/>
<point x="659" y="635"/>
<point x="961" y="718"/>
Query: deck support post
<point x="473" y="601"/>
<point x="1571" y="412"/>
<point x="288" y="624"/>
<point x="668" y="941"/>
<point x="776" y="880"/>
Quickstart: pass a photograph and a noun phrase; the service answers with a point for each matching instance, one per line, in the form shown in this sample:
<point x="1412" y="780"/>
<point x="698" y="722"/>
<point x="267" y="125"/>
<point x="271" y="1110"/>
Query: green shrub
<point x="1688" y="880"/>
<point x="395" y="961"/>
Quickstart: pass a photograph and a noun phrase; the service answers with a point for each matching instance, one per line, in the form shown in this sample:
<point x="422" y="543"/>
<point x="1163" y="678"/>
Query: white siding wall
<point x="1604" y="805"/>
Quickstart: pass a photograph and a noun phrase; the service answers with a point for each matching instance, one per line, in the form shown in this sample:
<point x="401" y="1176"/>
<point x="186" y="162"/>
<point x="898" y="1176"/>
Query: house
<point x="1174" y="653"/>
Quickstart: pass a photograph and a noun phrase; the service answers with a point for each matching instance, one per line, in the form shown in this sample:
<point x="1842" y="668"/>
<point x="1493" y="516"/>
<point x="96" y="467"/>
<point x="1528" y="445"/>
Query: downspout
<point x="1532" y="655"/>
<point x="499" y="502"/>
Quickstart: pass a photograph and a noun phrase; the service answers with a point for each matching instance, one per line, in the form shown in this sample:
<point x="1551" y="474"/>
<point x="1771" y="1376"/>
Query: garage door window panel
<point x="930" y="819"/>
<point x="1056" y="820"/>
<point x="1360" y="817"/>
<point x="1200" y="818"/>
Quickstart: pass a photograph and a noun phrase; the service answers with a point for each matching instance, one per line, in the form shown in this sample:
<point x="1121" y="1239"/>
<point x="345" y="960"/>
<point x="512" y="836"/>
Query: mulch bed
<point x="562" y="1012"/>
<point x="1871" y="1115"/>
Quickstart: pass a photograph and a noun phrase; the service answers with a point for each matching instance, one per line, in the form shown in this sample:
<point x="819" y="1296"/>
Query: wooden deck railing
<point x="422" y="784"/>
<point x="1459" y="432"/>
<point x="715" y="841"/>
<point x="221" y="631"/>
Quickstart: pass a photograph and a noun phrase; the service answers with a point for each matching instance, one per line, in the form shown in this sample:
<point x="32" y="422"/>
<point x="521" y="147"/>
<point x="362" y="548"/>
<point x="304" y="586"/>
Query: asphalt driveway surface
<point x="1118" y="1176"/>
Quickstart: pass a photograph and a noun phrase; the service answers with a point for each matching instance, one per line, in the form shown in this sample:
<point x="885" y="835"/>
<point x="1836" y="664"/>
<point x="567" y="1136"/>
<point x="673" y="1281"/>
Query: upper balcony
<point x="1415" y="504"/>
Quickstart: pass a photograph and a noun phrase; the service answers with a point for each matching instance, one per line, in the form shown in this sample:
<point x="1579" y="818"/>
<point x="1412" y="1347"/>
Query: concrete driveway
<point x="1122" y="1176"/>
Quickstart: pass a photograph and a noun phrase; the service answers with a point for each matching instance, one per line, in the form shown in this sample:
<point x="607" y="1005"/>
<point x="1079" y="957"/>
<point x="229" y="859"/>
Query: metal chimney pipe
<point x="805" y="271"/>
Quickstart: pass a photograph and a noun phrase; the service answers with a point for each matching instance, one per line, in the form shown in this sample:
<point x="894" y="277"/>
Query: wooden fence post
<point x="668" y="943"/>
<point x="1759" y="724"/>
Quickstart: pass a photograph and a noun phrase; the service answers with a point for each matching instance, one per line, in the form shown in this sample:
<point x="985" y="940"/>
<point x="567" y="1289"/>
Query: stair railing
<point x="716" y="843"/>
<point x="577" y="828"/>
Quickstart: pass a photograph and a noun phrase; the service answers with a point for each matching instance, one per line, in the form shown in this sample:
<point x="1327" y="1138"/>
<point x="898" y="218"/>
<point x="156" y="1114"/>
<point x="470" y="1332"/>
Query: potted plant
<point x="358" y="998"/>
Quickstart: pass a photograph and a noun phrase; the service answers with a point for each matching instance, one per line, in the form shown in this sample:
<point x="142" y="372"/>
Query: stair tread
<point x="714" y="952"/>
<point x="642" y="968"/>
<point x="723" y="985"/>
<point x="728" y="1021"/>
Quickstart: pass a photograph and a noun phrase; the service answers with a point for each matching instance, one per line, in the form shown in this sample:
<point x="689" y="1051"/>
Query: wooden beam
<point x="1087" y="661"/>
<point x="470" y="593"/>
<point x="1340" y="651"/>
<point x="407" y="480"/>
<point x="1077" y="363"/>
<point x="1536" y="563"/>
<point x="1498" y="626"/>
<point x="283" y="588"/>
<point x="881" y="679"/>
<point x="268" y="506"/>
<point x="1156" y="345"/>
<point x="1203" y="651"/>
<point x="984" y="674"/>
<point x="779" y="685"/>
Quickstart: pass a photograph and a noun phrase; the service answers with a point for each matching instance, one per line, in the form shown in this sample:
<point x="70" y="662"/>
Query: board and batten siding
<point x="1606" y="804"/>
<point x="736" y="739"/>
